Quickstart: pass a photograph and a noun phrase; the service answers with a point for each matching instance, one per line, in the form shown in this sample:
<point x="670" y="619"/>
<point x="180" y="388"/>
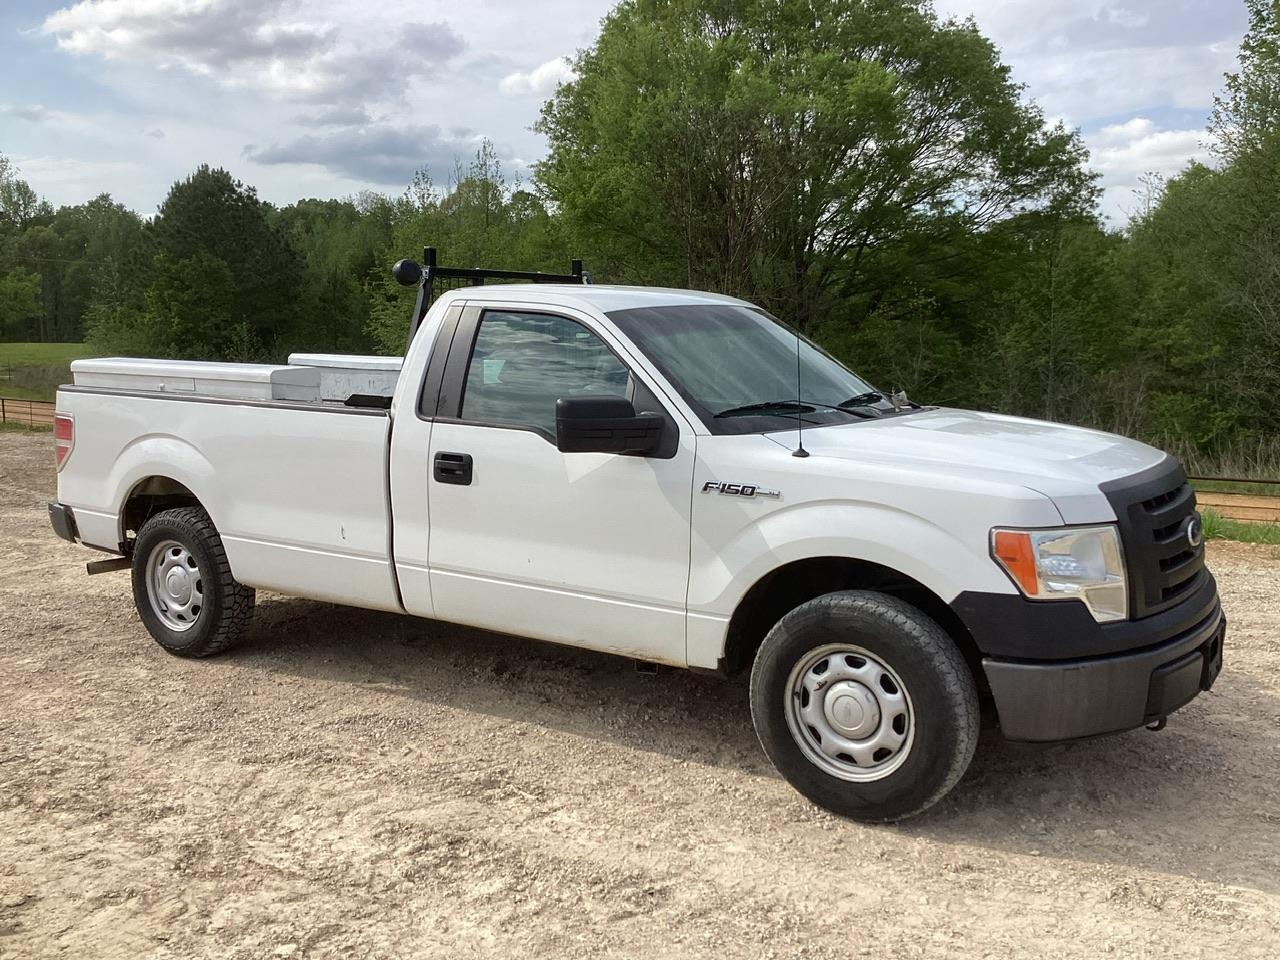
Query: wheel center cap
<point x="178" y="584"/>
<point x="851" y="709"/>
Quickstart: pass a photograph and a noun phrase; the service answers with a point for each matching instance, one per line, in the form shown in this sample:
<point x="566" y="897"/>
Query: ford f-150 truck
<point x="678" y="478"/>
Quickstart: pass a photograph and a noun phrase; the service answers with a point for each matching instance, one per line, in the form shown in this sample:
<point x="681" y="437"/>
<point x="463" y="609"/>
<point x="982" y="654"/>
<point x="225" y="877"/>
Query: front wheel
<point x="183" y="588"/>
<point x="864" y="705"/>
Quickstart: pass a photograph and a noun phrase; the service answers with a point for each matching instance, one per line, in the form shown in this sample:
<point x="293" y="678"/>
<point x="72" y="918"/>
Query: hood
<point x="1064" y="463"/>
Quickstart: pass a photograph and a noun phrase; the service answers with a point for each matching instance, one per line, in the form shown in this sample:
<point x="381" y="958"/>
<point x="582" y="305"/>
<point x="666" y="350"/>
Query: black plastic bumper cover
<point x="1067" y="700"/>
<point x="64" y="522"/>
<point x="1008" y="627"/>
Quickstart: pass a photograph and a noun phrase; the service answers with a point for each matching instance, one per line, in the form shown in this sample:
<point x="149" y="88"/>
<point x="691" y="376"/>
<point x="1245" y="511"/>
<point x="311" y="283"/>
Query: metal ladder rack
<point x="435" y="280"/>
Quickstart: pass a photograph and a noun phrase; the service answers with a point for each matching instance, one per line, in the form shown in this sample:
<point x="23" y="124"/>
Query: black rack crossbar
<point x="433" y="272"/>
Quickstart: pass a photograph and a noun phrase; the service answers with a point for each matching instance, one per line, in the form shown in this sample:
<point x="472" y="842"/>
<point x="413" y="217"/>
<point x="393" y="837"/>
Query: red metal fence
<point x="33" y="413"/>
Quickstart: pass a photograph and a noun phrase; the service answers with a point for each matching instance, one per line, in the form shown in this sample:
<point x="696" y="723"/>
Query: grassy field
<point x="1231" y="486"/>
<point x="33" y="371"/>
<point x="40" y="354"/>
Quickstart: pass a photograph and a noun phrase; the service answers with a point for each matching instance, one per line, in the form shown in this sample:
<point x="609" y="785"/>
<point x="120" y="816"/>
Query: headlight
<point x="1070" y="563"/>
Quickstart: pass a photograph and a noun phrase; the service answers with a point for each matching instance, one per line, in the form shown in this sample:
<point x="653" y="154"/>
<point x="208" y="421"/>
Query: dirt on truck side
<point x="353" y="784"/>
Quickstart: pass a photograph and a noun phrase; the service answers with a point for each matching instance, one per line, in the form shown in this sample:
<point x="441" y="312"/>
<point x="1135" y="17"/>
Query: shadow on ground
<point x="1165" y="802"/>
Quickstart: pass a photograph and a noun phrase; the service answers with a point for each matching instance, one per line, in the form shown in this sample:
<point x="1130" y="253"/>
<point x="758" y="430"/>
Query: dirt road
<point x="351" y="784"/>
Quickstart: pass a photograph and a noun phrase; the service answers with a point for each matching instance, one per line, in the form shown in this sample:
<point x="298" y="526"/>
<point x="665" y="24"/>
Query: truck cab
<point x="677" y="477"/>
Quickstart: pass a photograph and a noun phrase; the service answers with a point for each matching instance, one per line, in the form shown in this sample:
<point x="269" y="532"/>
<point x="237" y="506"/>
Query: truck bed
<point x="298" y="489"/>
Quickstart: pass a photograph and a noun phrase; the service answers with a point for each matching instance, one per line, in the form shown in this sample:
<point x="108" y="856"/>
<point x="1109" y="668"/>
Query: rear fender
<point x="168" y="456"/>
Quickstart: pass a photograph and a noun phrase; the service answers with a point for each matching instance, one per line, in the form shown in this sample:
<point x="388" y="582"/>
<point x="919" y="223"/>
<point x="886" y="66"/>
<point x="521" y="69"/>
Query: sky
<point x="324" y="98"/>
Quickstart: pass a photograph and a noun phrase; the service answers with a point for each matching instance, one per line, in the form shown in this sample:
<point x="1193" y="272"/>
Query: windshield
<point x="736" y="366"/>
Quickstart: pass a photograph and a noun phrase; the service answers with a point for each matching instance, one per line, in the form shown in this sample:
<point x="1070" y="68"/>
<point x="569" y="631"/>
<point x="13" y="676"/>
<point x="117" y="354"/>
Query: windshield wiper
<point x="787" y="408"/>
<point x="862" y="399"/>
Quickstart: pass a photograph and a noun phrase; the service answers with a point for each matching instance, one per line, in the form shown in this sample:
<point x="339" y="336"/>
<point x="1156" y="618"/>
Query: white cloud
<point x="82" y="179"/>
<point x="32" y="113"/>
<point x="1098" y="83"/>
<point x="1087" y="59"/>
<point x="1124" y="153"/>
<point x="315" y="83"/>
<point x="1131" y="19"/>
<point x="280" y="47"/>
<point x="541" y="80"/>
<point x="1130" y="149"/>
<point x="380" y="152"/>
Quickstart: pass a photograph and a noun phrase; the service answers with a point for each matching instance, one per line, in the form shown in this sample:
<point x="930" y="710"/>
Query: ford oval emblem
<point x="1195" y="531"/>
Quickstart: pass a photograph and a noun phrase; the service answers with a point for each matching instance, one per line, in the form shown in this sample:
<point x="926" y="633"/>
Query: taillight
<point x="64" y="437"/>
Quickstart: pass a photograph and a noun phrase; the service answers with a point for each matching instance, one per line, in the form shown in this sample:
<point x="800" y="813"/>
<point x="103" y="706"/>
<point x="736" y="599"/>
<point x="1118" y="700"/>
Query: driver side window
<point x="522" y="363"/>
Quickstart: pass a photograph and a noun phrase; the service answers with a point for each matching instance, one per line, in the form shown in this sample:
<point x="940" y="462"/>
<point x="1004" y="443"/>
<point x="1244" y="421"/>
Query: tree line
<point x="865" y="170"/>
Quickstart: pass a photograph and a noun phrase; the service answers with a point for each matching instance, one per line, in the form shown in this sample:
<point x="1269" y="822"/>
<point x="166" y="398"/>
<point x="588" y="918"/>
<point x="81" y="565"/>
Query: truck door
<point x="590" y="549"/>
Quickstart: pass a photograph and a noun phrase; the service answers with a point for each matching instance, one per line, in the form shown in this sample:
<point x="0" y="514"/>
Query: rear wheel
<point x="183" y="588"/>
<point x="865" y="705"/>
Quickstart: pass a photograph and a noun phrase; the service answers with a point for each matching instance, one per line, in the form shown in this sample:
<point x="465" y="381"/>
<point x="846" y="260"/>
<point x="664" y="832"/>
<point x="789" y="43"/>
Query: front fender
<point x="925" y="551"/>
<point x="945" y="559"/>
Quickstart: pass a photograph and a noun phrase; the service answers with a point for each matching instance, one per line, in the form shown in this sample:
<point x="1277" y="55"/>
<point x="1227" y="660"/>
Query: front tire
<point x="865" y="705"/>
<point x="183" y="588"/>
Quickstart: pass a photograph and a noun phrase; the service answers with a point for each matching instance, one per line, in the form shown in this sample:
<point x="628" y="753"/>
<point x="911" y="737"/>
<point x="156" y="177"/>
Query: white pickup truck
<point x="675" y="477"/>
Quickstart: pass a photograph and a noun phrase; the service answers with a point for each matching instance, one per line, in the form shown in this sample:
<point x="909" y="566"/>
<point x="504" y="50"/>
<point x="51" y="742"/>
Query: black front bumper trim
<point x="1007" y="626"/>
<point x="1069" y="700"/>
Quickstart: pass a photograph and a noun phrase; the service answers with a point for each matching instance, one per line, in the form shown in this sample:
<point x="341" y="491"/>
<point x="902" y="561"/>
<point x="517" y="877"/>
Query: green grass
<point x="8" y="426"/>
<point x="1220" y="528"/>
<point x="1229" y="486"/>
<point x="40" y="354"/>
<point x="33" y="371"/>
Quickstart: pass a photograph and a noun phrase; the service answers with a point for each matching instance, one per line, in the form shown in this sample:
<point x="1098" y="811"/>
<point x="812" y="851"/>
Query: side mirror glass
<point x="605" y="425"/>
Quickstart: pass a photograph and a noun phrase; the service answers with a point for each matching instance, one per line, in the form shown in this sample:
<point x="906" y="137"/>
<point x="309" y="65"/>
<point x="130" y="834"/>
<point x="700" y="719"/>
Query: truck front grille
<point x="1153" y="510"/>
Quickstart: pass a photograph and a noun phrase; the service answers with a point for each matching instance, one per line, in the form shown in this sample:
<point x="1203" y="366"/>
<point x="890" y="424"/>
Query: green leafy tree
<point x="483" y="220"/>
<point x="342" y="244"/>
<point x="214" y="276"/>
<point x="1246" y="115"/>
<point x="792" y="152"/>
<point x="19" y="304"/>
<point x="20" y="206"/>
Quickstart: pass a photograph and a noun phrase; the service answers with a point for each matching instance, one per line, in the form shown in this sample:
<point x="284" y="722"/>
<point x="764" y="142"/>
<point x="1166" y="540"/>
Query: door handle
<point x="452" y="468"/>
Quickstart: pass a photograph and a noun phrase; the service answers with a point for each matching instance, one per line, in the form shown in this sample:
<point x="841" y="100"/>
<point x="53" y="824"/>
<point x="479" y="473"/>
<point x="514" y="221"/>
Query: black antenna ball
<point x="407" y="272"/>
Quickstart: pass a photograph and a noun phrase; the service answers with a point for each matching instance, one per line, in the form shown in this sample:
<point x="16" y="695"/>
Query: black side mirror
<point x="605" y="425"/>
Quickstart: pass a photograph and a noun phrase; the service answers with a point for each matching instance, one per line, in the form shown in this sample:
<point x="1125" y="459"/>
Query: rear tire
<point x="183" y="588"/>
<point x="865" y="705"/>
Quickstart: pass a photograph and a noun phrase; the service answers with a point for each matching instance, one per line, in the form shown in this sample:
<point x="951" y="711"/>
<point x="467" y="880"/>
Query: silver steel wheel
<point x="849" y="712"/>
<point x="175" y="585"/>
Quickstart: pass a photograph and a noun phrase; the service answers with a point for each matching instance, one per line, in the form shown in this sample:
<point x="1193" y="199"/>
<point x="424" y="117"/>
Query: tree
<point x="341" y="244"/>
<point x="213" y="277"/>
<point x="1246" y="115"/>
<point x="484" y="219"/>
<point x="20" y="206"/>
<point x="19" y="304"/>
<point x="791" y="152"/>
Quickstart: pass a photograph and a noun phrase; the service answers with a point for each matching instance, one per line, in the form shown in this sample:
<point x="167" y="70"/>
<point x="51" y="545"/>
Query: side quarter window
<point x="522" y="363"/>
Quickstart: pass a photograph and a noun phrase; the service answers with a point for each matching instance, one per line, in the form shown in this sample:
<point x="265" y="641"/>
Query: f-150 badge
<point x="739" y="490"/>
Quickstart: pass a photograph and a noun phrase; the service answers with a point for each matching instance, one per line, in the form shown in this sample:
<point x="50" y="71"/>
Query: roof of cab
<point x="603" y="297"/>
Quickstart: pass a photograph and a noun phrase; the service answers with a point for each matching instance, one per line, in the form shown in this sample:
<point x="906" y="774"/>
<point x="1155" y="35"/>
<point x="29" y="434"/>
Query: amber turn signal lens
<point x="1014" y="551"/>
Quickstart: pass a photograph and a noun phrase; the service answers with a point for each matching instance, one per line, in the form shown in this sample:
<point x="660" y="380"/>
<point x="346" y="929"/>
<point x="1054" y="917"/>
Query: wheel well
<point x="149" y="497"/>
<point x="781" y="591"/>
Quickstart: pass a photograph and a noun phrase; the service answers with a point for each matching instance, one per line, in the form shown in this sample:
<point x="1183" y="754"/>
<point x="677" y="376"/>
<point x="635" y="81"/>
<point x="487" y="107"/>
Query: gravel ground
<point x="352" y="784"/>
